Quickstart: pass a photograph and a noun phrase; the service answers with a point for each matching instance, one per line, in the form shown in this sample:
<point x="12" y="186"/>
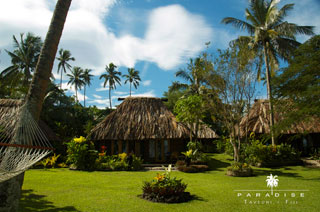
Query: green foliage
<point x="224" y="146"/>
<point x="238" y="169"/>
<point x="164" y="188"/>
<point x="49" y="162"/>
<point x="15" y="79"/>
<point x="81" y="154"/>
<point x="238" y="166"/>
<point x="316" y="154"/>
<point x="298" y="86"/>
<point x="256" y="153"/>
<point x="190" y="109"/>
<point x="121" y="162"/>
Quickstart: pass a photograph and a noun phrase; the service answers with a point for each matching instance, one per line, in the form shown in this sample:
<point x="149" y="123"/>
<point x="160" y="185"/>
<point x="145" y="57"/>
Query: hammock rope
<point x="22" y="143"/>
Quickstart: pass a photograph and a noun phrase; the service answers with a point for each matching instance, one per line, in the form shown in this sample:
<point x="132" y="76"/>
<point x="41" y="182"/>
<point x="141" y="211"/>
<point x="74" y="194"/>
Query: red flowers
<point x="103" y="149"/>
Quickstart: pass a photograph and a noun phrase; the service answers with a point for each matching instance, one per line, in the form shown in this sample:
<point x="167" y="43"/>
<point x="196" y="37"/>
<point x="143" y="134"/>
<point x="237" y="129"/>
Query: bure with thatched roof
<point x="145" y="126"/>
<point x="11" y="106"/>
<point x="257" y="121"/>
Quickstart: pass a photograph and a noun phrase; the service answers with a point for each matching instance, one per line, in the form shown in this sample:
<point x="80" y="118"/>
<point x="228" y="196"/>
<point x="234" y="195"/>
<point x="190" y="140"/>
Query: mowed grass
<point x="65" y="190"/>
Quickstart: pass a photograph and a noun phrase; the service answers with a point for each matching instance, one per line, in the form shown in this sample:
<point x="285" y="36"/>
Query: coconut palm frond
<point x="242" y="25"/>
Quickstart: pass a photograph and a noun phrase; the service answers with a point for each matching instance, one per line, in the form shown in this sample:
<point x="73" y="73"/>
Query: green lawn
<point x="64" y="190"/>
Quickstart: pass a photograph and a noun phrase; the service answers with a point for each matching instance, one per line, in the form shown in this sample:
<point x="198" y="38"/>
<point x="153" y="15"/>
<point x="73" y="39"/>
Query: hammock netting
<point x="22" y="143"/>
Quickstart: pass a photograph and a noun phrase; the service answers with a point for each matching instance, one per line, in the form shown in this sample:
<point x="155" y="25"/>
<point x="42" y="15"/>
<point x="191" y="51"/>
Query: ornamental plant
<point x="164" y="188"/>
<point x="81" y="154"/>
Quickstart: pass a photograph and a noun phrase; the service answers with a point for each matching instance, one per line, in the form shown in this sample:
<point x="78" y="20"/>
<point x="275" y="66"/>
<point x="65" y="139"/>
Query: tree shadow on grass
<point x="258" y="172"/>
<point x="31" y="202"/>
<point x="215" y="164"/>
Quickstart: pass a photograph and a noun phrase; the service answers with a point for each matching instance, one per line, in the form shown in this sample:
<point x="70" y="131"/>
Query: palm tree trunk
<point x="130" y="89"/>
<point x="84" y="96"/>
<point x="266" y="59"/>
<point x="61" y="81"/>
<point x="76" y="94"/>
<point x="110" y="97"/>
<point x="10" y="190"/>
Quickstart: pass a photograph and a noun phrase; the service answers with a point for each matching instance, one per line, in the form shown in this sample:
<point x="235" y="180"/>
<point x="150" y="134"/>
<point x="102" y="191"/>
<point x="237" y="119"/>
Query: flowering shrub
<point x="81" y="154"/>
<point x="259" y="154"/>
<point x="164" y="188"/>
<point x="121" y="162"/>
<point x="239" y="170"/>
<point x="49" y="162"/>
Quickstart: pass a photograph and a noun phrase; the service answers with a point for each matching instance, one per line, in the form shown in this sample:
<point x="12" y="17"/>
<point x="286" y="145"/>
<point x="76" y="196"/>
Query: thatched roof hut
<point x="11" y="106"/>
<point x="258" y="121"/>
<point x="139" y="119"/>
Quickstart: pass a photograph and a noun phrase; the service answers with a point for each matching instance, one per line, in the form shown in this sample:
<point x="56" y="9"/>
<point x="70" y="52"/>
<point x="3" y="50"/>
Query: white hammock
<point x="22" y="143"/>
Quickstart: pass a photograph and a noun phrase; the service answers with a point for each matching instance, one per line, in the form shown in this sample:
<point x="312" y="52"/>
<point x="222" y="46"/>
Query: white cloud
<point x="120" y="92"/>
<point x="146" y="82"/>
<point x="103" y="88"/>
<point x="97" y="96"/>
<point x="172" y="33"/>
<point x="305" y="13"/>
<point x="100" y="101"/>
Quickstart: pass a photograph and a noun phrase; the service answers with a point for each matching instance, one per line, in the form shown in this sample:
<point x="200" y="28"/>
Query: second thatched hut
<point x="305" y="136"/>
<point x="145" y="126"/>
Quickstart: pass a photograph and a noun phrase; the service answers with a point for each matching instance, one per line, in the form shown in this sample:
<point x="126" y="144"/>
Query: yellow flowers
<point x="159" y="177"/>
<point x="80" y="140"/>
<point x="123" y="156"/>
<point x="188" y="154"/>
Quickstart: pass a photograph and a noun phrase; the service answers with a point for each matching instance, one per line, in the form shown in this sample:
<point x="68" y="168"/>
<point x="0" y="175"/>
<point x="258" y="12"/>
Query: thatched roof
<point x="11" y="106"/>
<point x="139" y="118"/>
<point x="259" y="116"/>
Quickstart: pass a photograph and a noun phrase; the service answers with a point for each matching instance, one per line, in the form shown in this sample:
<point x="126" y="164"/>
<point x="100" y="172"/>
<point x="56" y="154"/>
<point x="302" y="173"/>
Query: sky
<point x="156" y="37"/>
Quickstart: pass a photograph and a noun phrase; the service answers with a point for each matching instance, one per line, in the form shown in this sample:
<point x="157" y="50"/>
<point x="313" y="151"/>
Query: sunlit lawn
<point x="64" y="190"/>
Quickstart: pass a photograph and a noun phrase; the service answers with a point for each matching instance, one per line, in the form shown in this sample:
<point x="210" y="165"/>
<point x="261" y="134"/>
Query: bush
<point x="163" y="188"/>
<point x="192" y="168"/>
<point x="121" y="162"/>
<point x="49" y="162"/>
<point x="81" y="154"/>
<point x="258" y="154"/>
<point x="316" y="154"/>
<point x="239" y="170"/>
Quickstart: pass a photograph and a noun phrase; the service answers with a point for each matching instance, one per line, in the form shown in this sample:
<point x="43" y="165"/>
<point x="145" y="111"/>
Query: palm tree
<point x="64" y="58"/>
<point x="112" y="77"/>
<point x="87" y="77"/>
<point x="195" y="75"/>
<point x="133" y="78"/>
<point x="268" y="32"/>
<point x="24" y="58"/>
<point x="10" y="190"/>
<point x="76" y="79"/>
<point x="272" y="181"/>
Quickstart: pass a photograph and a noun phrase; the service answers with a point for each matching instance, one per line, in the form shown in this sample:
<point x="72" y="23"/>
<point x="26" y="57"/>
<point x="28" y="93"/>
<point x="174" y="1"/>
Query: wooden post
<point x="127" y="146"/>
<point x="119" y="147"/>
<point x="112" y="147"/>
<point x="162" y="150"/>
<point x="137" y="148"/>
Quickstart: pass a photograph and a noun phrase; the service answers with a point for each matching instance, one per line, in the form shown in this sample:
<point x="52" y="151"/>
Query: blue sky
<point x="156" y="37"/>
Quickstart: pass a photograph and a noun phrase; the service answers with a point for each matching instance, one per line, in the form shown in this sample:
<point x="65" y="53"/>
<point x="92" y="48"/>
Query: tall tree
<point x="111" y="77"/>
<point x="270" y="33"/>
<point x="64" y="58"/>
<point x="233" y="81"/>
<point x="195" y="75"/>
<point x="10" y="190"/>
<point x="87" y="77"/>
<point x="298" y="86"/>
<point x="76" y="79"/>
<point x="24" y="57"/>
<point x="132" y="77"/>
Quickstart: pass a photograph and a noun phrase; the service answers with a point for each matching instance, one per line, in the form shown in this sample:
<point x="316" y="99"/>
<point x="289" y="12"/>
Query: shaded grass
<point x="64" y="190"/>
